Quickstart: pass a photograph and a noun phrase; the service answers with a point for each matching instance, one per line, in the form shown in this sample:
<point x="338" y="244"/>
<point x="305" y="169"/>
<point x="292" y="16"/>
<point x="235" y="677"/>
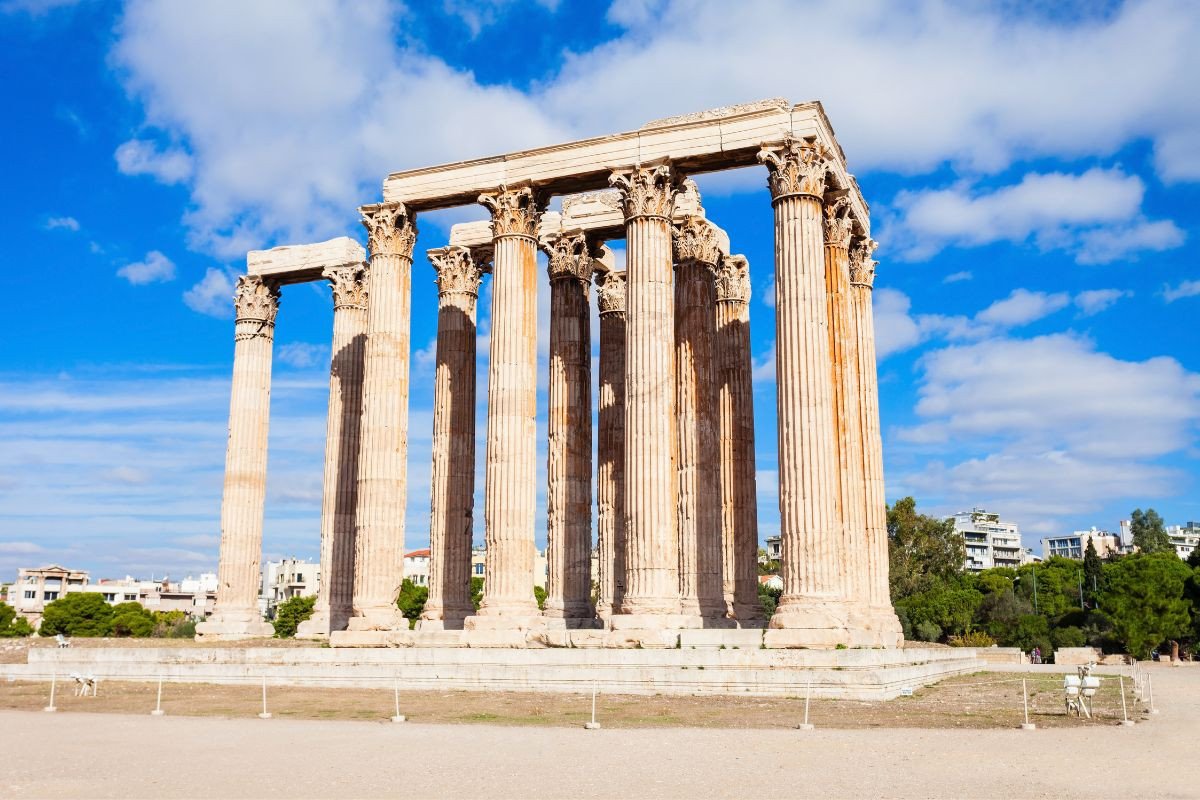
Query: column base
<point x="809" y="622"/>
<point x="315" y="627"/>
<point x="234" y="627"/>
<point x="572" y="623"/>
<point x="654" y="622"/>
<point x="505" y="622"/>
<point x="385" y="619"/>
<point x="749" y="615"/>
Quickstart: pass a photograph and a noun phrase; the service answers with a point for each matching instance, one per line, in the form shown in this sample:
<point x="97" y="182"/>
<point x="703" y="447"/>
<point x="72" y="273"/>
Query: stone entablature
<point x="298" y="263"/>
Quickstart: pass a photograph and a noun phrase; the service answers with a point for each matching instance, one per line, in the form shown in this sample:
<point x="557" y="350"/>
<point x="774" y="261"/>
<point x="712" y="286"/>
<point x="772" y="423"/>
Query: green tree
<point x="923" y="550"/>
<point x="476" y="591"/>
<point x="539" y="594"/>
<point x="768" y="598"/>
<point x="291" y="613"/>
<point x="12" y="625"/>
<point x="1093" y="573"/>
<point x="132" y="619"/>
<point x="950" y="606"/>
<point x="1057" y="583"/>
<point x="1193" y="559"/>
<point x="1149" y="532"/>
<point x="411" y="600"/>
<point x="1144" y="599"/>
<point x="77" y="614"/>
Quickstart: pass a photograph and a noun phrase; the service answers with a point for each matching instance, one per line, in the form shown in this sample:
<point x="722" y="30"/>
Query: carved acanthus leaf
<point x="570" y="257"/>
<point x="256" y="300"/>
<point x="795" y="167"/>
<point x="610" y="291"/>
<point x="862" y="268"/>
<point x="696" y="239"/>
<point x="647" y="191"/>
<point x="838" y="223"/>
<point x="733" y="279"/>
<point x="391" y="230"/>
<point x="458" y="270"/>
<point x="515" y="212"/>
<point x="349" y="285"/>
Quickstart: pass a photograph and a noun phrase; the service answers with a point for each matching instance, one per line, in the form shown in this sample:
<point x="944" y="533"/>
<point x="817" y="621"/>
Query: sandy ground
<point x="122" y="755"/>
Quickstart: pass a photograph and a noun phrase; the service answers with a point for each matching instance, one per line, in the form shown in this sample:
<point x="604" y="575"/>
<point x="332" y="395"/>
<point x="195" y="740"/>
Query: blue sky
<point x="1033" y="172"/>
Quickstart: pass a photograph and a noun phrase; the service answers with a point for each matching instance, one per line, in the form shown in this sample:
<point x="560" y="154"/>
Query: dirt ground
<point x="127" y="755"/>
<point x="983" y="700"/>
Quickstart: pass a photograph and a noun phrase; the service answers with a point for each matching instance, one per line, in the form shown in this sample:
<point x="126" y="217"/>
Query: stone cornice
<point x="862" y="268"/>
<point x="795" y="167"/>
<point x="733" y="280"/>
<point x="610" y="292"/>
<point x="391" y="230"/>
<point x="256" y="300"/>
<point x="838" y="223"/>
<point x="696" y="240"/>
<point x="647" y="191"/>
<point x="459" y="271"/>
<point x="569" y="257"/>
<point x="349" y="285"/>
<point x="515" y="212"/>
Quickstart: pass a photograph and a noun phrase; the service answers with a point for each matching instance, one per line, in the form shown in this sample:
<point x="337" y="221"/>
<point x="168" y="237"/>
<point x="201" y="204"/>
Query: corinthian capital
<point x="391" y="230"/>
<point x="733" y="280"/>
<point x="696" y="239"/>
<point x="515" y="212"/>
<point x="610" y="291"/>
<point x="256" y="300"/>
<point x="458" y="270"/>
<point x="838" y="223"/>
<point x="570" y="257"/>
<point x="795" y="167"/>
<point x="862" y="268"/>
<point x="349" y="285"/>
<point x="647" y="191"/>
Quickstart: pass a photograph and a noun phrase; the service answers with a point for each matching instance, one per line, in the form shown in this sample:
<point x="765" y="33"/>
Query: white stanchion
<point x="265" y="714"/>
<point x="1027" y="725"/>
<point x="1125" y="720"/>
<point x="158" y="712"/>
<point x="1150" y="686"/>
<point x="53" y="685"/>
<point x="593" y="725"/>
<point x="397" y="716"/>
<point x="806" y="725"/>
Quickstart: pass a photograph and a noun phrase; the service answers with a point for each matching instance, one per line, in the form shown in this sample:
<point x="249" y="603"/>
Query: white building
<point x="990" y="542"/>
<point x="1075" y="545"/>
<point x="1185" y="538"/>
<point x="283" y="580"/>
<point x="416" y="567"/>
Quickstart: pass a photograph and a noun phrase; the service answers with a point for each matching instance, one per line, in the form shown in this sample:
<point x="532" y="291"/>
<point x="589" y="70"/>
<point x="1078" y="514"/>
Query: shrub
<point x="1069" y="636"/>
<point x="928" y="631"/>
<point x="972" y="639"/>
<point x="11" y="625"/>
<point x="411" y="601"/>
<point x="291" y="613"/>
<point x="132" y="619"/>
<point x="539" y="594"/>
<point x="77" y="614"/>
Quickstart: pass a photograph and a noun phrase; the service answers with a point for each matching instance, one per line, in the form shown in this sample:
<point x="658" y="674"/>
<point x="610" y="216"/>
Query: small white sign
<point x="906" y="691"/>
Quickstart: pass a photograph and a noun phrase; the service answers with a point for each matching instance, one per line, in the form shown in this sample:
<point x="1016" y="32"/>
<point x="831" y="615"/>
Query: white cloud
<point x="1184" y="289"/>
<point x="62" y="223"/>
<point x="1095" y="215"/>
<point x="1093" y="301"/>
<point x="212" y="295"/>
<point x="895" y="328"/>
<point x="303" y="355"/>
<point x="1047" y="427"/>
<point x="1022" y="307"/>
<point x="139" y="157"/>
<point x="763" y="367"/>
<point x="19" y="548"/>
<point x="154" y="268"/>
<point x="957" y="277"/>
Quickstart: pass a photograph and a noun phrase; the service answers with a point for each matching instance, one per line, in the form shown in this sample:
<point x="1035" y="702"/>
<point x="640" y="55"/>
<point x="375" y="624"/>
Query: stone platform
<point x="687" y="670"/>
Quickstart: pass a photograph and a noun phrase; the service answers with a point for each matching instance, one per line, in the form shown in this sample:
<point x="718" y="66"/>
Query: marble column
<point x="610" y="446"/>
<point x="735" y="410"/>
<point x="236" y="615"/>
<point x="569" y="430"/>
<point x="811" y="611"/>
<point x="509" y="493"/>
<point x="335" y="594"/>
<point x="862" y="278"/>
<point x="383" y="457"/>
<point x="697" y="252"/>
<point x="651" y="528"/>
<point x="843" y="356"/>
<point x="452" y="477"/>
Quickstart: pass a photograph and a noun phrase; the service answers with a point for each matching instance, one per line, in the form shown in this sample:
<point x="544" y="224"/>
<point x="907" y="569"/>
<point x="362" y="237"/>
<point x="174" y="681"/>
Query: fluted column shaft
<point x="652" y="536"/>
<point x="739" y="487"/>
<point x="610" y="472"/>
<point x="335" y="594"/>
<point x="452" y="477"/>
<point x="569" y="428"/>
<point x="698" y="470"/>
<point x="811" y="564"/>
<point x="862" y="277"/>
<point x="383" y="458"/>
<point x="509" y="499"/>
<point x="242" y="503"/>
<point x="843" y="350"/>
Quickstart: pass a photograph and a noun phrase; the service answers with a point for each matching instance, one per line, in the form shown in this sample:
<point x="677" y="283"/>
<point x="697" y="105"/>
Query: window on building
<point x="299" y="577"/>
<point x="479" y="569"/>
<point x="30" y="594"/>
<point x="50" y="596"/>
<point x="109" y="597"/>
<point x="131" y="598"/>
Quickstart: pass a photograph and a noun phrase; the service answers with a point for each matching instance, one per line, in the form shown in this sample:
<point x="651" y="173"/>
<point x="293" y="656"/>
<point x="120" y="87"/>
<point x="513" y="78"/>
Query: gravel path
<point x="109" y="755"/>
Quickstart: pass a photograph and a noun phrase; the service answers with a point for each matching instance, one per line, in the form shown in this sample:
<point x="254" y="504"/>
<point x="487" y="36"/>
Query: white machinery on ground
<point x="1079" y="690"/>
